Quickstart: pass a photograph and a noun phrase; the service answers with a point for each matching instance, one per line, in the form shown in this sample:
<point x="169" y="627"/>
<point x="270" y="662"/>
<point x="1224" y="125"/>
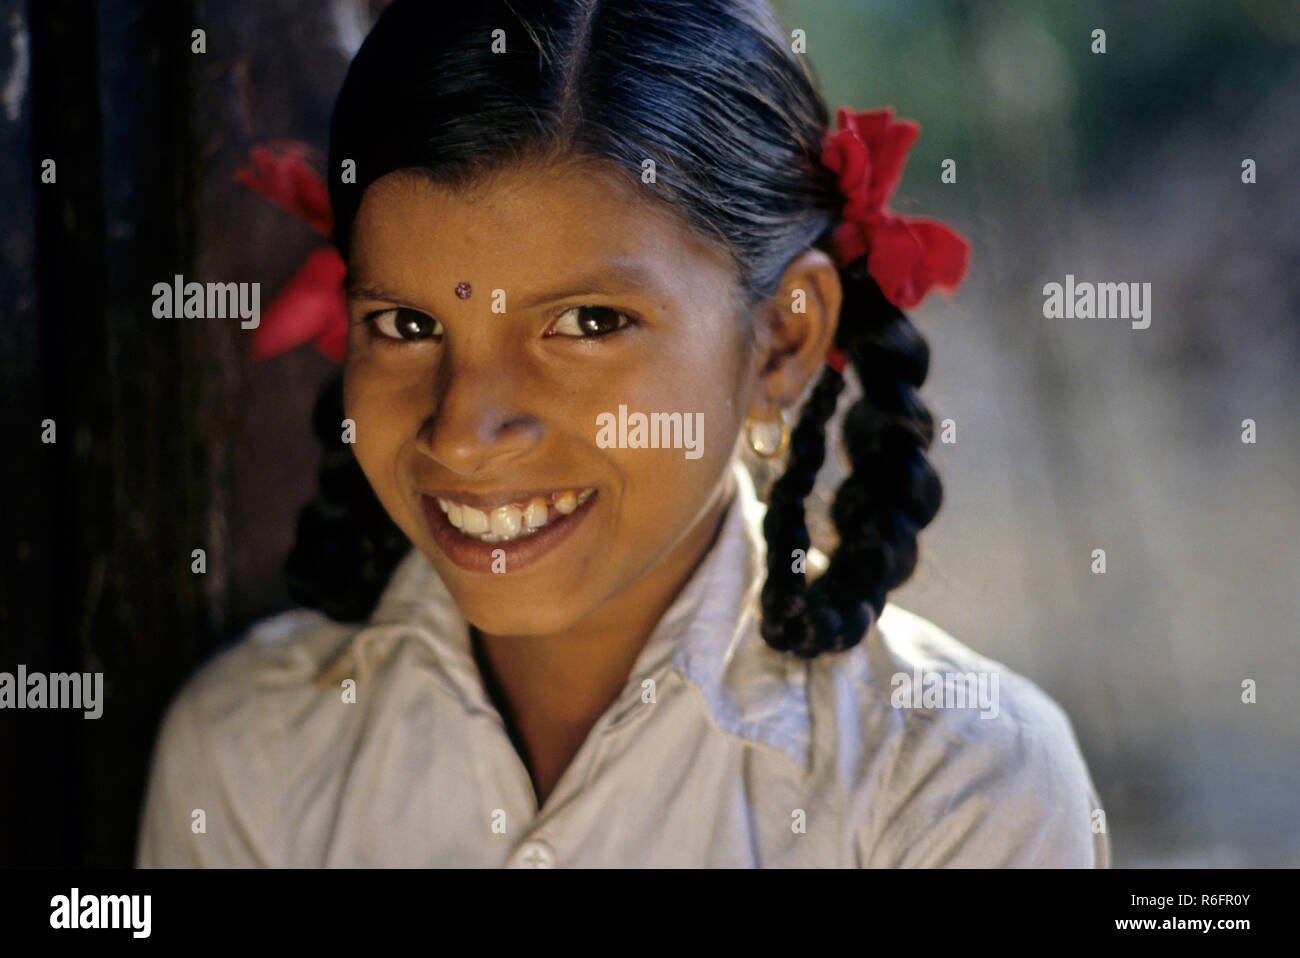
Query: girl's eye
<point x="590" y="322"/>
<point x="402" y="323"/>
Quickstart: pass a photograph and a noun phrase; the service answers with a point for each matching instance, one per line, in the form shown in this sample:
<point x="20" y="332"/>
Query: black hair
<point x="711" y="91"/>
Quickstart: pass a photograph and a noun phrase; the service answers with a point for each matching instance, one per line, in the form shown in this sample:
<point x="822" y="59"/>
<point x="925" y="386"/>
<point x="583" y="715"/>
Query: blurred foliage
<point x="958" y="65"/>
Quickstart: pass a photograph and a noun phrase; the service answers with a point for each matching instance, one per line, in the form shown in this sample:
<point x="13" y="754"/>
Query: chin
<point x="491" y="619"/>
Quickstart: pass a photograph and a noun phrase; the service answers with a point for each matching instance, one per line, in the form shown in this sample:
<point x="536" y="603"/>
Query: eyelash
<point x="616" y="329"/>
<point x="371" y="320"/>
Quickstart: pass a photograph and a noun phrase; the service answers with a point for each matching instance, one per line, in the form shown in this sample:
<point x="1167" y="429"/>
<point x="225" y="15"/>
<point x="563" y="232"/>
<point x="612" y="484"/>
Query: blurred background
<point x="1072" y="434"/>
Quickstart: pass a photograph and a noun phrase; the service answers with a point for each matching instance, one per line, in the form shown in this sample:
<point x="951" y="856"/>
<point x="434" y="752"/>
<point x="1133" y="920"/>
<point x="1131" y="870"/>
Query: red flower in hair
<point x="906" y="257"/>
<point x="312" y="308"/>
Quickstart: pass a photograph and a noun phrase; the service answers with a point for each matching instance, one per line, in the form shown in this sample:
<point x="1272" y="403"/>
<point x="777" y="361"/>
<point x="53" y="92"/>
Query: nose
<point x="478" y="423"/>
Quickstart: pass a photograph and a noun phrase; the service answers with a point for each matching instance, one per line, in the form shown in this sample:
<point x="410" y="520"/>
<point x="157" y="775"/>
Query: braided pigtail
<point x="346" y="546"/>
<point x="786" y="625"/>
<point x="891" y="493"/>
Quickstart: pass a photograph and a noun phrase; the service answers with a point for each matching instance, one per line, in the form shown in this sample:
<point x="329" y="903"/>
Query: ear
<point x="796" y="328"/>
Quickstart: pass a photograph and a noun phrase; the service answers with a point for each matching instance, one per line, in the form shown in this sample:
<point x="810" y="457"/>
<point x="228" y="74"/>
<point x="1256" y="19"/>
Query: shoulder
<point x="960" y="760"/>
<point x="246" y="684"/>
<point x="217" y="750"/>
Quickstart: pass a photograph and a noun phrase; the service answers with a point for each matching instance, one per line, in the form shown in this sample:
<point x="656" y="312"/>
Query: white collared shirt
<point x="719" y="751"/>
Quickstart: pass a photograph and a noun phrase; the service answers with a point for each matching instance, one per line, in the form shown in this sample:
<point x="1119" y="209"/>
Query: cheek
<point x="667" y="486"/>
<point x="702" y="381"/>
<point x="385" y="423"/>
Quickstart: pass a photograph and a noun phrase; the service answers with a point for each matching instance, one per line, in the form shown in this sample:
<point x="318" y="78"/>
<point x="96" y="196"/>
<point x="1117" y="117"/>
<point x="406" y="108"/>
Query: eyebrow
<point x="360" y="289"/>
<point x="610" y="280"/>
<point x="613" y="278"/>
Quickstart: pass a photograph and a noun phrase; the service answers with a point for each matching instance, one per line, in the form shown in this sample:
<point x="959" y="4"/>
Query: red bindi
<point x="463" y="290"/>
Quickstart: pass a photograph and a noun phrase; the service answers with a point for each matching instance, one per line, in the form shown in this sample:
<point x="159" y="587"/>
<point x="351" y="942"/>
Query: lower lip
<point x="474" y="555"/>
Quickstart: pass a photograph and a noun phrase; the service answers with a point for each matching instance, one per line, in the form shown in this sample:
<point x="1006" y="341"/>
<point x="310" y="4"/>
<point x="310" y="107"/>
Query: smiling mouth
<point x="499" y="535"/>
<point x="512" y="520"/>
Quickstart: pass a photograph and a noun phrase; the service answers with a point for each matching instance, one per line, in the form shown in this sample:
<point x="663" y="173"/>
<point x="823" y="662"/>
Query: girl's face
<point x="499" y="341"/>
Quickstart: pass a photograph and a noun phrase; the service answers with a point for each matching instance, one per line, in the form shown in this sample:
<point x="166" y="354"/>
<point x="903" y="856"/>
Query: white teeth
<point x="473" y="521"/>
<point x="506" y="521"/>
<point x="535" y="514"/>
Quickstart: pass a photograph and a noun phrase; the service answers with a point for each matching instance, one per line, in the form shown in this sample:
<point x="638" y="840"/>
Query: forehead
<point x="527" y="227"/>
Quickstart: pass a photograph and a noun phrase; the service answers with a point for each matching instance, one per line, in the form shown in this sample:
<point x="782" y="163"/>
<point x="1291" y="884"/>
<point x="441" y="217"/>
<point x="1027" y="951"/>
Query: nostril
<point x="465" y="440"/>
<point x="522" y="423"/>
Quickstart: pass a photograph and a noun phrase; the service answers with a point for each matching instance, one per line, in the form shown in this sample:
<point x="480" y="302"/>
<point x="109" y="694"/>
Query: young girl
<point x="594" y="249"/>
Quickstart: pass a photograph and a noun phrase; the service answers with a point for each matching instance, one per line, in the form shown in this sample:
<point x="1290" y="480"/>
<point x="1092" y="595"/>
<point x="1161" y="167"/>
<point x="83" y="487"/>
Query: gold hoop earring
<point x="765" y="450"/>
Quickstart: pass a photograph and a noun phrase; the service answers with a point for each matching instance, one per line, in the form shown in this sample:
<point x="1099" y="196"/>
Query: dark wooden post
<point x="100" y="525"/>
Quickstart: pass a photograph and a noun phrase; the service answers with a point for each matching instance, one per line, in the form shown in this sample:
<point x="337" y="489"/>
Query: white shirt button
<point x="533" y="853"/>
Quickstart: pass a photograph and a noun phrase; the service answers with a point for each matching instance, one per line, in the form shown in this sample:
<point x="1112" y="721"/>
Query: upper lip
<point x="490" y="500"/>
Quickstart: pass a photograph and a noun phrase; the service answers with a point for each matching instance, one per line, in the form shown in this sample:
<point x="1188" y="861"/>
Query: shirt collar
<point x="709" y="635"/>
